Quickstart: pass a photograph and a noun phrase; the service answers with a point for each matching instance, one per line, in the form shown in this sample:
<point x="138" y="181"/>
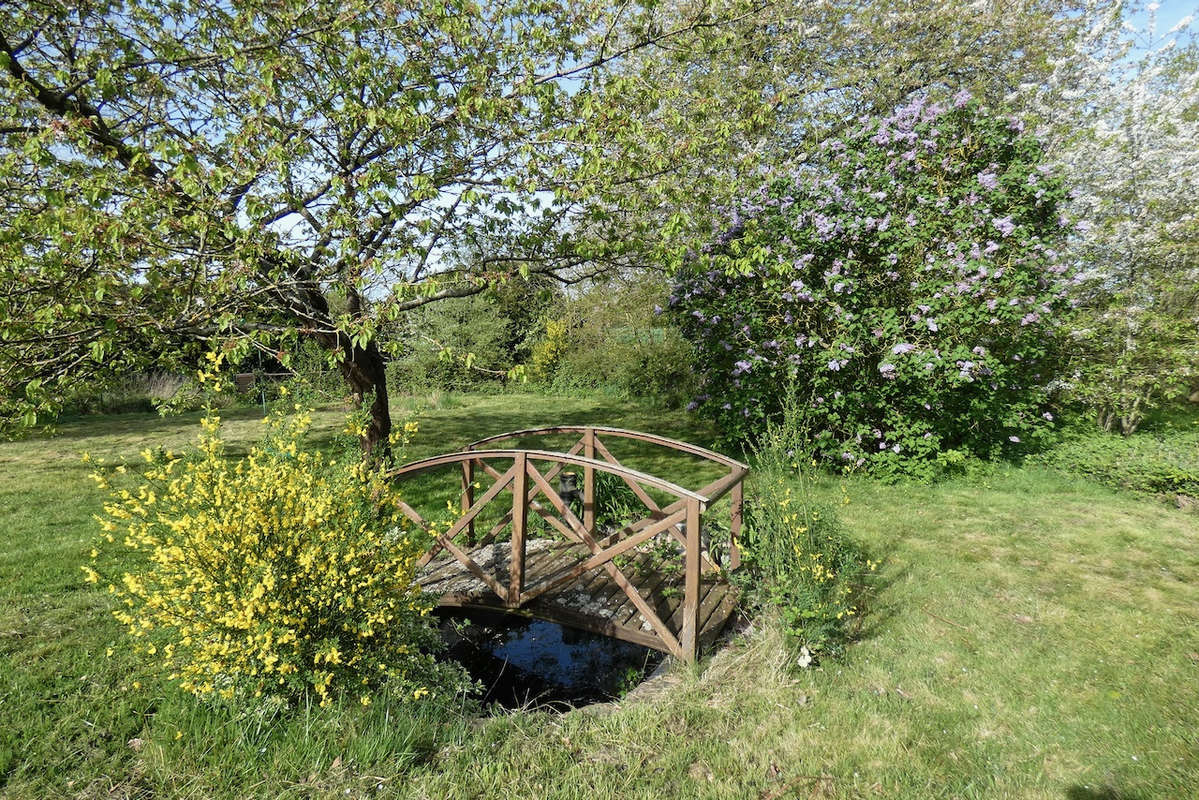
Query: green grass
<point x="1029" y="635"/>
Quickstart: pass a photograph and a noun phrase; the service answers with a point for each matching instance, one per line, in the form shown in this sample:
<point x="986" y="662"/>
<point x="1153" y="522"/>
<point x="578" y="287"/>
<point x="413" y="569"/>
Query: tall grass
<point x="800" y="562"/>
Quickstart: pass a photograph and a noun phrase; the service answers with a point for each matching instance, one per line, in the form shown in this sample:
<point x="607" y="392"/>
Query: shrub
<point x="907" y="280"/>
<point x="1164" y="461"/>
<point x="548" y="349"/>
<point x="649" y="363"/>
<point x="282" y="574"/>
<point x="612" y="342"/>
<point x="457" y="343"/>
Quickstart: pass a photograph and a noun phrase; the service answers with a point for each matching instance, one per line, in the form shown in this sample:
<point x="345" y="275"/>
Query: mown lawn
<point x="1029" y="636"/>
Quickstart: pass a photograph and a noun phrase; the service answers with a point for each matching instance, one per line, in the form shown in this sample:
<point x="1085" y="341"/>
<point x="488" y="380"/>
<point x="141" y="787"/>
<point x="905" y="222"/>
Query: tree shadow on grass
<point x="1099" y="793"/>
<point x="142" y="423"/>
<point x="875" y="611"/>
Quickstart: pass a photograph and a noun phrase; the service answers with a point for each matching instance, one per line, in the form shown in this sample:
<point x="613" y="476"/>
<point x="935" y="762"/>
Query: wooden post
<point x="520" y="514"/>
<point x="690" y="633"/>
<point x="589" y="482"/>
<point x="738" y="499"/>
<point x="468" y="497"/>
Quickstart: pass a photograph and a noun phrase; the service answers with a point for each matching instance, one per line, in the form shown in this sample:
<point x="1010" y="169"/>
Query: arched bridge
<point x="659" y="580"/>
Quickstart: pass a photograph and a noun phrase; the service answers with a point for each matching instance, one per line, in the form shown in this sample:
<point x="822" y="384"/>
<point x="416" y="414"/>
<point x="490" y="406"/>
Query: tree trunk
<point x="364" y="370"/>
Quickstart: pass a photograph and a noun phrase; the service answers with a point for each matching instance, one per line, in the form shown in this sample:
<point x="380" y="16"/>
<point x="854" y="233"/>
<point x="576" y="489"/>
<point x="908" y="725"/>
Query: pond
<point x="524" y="662"/>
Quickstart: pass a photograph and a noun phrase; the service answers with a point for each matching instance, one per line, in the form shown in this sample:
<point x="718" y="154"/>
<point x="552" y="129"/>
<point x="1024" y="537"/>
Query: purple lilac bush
<point x="906" y="283"/>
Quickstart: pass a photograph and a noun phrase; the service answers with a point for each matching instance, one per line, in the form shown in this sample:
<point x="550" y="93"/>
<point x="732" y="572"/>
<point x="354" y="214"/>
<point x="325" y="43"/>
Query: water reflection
<point x="528" y="662"/>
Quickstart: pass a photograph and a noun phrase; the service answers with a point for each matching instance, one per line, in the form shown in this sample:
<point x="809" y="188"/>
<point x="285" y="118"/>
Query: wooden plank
<point x="468" y="496"/>
<point x="499" y="553"/>
<point x="652" y="618"/>
<point x="712" y="602"/>
<point x="676" y="611"/>
<point x="589" y="482"/>
<point x="445" y="570"/>
<point x="539" y="561"/>
<point x="667" y="607"/>
<point x="520" y="518"/>
<point x="652" y="586"/>
<point x="735" y="521"/>
<point x="599" y="559"/>
<point x="719" y="618"/>
<point x="565" y="559"/>
<point x="613" y="589"/>
<point x="554" y="561"/>
<point x="690" y="633"/>
<point x="476" y="570"/>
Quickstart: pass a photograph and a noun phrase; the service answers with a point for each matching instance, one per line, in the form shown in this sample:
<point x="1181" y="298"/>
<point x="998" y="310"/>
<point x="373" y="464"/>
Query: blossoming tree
<point x="1123" y="117"/>
<point x="906" y="281"/>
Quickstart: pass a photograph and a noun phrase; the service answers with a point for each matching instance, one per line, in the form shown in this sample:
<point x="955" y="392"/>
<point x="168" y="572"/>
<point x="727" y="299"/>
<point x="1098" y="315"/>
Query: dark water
<point x="527" y="662"/>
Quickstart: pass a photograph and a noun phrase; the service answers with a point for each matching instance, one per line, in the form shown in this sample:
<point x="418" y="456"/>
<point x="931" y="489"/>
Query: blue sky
<point x="1169" y="12"/>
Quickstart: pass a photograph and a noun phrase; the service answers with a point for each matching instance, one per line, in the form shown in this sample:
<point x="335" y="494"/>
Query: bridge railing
<point x="591" y="445"/>
<point x="681" y="517"/>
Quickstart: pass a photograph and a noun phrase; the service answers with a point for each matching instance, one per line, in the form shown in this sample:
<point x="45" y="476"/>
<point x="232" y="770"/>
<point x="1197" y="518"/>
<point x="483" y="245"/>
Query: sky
<point x="1169" y="12"/>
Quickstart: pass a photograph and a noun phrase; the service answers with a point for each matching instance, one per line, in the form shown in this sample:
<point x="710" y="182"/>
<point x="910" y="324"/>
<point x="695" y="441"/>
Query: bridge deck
<point x="594" y="601"/>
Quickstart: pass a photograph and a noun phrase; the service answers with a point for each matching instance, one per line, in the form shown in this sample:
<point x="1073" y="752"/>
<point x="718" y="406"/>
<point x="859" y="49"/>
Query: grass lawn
<point x="1030" y="636"/>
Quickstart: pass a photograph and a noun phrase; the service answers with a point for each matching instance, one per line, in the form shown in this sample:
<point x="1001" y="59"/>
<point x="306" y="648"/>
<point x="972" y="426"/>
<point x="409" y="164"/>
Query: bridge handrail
<point x="433" y="462"/>
<point x="651" y="438"/>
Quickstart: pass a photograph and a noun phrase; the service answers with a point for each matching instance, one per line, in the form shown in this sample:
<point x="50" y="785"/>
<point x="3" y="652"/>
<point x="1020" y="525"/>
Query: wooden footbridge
<point x="658" y="581"/>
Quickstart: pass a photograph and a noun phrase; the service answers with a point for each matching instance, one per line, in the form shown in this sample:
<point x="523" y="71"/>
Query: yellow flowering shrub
<point x="549" y="349"/>
<point x="798" y="560"/>
<point x="284" y="573"/>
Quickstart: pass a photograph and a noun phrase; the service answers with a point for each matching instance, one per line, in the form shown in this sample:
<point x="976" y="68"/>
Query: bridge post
<point x="589" y="482"/>
<point x="520" y="514"/>
<point x="690" y="634"/>
<point x="738" y="500"/>
<point x="468" y="497"/>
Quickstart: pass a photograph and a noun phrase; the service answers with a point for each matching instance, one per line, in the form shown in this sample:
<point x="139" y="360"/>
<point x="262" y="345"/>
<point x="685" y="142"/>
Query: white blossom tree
<point x="1122" y="114"/>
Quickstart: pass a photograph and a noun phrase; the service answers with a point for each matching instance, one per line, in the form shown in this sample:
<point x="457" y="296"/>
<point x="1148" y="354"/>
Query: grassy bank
<point x="1030" y="635"/>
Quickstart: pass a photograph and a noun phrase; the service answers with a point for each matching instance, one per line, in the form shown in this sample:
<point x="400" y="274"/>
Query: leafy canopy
<point x="249" y="171"/>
